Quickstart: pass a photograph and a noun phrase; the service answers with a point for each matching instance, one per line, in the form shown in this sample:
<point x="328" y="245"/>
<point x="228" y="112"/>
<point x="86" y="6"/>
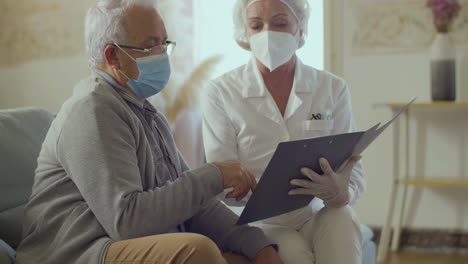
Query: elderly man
<point x="111" y="186"/>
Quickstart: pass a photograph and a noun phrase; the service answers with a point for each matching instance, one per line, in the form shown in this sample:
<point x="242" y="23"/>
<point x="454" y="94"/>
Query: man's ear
<point x="110" y="56"/>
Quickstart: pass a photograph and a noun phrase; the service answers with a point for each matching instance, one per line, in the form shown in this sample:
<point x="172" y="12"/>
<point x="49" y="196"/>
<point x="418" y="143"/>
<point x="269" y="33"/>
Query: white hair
<point x="300" y="9"/>
<point x="104" y="24"/>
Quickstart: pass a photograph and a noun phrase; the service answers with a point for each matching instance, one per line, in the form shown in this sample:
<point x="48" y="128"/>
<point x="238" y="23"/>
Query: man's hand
<point x="267" y="255"/>
<point x="331" y="187"/>
<point x="237" y="177"/>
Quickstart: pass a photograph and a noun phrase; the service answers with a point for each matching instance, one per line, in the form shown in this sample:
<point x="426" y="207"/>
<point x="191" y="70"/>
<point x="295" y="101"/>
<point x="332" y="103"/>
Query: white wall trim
<point x="334" y="30"/>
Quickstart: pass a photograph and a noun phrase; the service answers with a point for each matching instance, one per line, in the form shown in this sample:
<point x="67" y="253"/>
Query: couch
<point x="21" y="134"/>
<point x="22" y="131"/>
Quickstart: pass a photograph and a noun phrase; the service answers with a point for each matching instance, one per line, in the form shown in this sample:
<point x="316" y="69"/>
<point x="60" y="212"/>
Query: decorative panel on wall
<point x="39" y="29"/>
<point x="386" y="26"/>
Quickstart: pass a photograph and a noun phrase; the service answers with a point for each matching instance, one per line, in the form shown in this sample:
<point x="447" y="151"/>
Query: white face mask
<point x="273" y="48"/>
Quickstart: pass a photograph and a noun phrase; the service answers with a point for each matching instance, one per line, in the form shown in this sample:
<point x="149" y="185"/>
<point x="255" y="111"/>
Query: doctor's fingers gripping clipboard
<point x="271" y="196"/>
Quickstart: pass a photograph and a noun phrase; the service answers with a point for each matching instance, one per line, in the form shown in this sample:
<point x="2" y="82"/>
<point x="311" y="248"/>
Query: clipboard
<point x="271" y="198"/>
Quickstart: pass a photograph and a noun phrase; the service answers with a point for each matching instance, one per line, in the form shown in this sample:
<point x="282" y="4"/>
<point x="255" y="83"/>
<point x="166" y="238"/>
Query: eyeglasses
<point x="168" y="47"/>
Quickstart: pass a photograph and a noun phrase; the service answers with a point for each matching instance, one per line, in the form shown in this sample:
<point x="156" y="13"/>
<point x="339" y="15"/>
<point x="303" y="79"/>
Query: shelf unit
<point x="406" y="180"/>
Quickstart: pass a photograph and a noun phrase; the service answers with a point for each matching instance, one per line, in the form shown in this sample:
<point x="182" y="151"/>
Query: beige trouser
<point x="186" y="248"/>
<point x="331" y="236"/>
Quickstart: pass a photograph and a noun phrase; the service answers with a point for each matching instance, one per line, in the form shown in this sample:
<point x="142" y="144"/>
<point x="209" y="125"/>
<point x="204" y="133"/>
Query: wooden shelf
<point x="438" y="104"/>
<point x="436" y="182"/>
<point x="403" y="181"/>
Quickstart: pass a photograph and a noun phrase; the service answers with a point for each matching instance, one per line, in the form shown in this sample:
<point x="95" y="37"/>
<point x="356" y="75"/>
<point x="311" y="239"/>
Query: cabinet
<point x="401" y="174"/>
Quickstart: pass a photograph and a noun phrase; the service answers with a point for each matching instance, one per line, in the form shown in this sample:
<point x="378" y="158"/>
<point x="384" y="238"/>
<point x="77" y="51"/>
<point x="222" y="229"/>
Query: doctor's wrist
<point x="340" y="200"/>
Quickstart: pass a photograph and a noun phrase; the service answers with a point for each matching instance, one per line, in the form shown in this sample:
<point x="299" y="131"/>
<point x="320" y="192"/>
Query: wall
<point x="43" y="83"/>
<point x="384" y="58"/>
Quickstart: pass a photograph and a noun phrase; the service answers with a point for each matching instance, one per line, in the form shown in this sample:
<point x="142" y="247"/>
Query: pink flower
<point x="444" y="12"/>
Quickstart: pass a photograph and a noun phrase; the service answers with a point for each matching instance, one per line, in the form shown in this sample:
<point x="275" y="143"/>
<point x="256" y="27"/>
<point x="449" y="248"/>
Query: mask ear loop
<point x="126" y="53"/>
<point x="297" y="31"/>
<point x="121" y="72"/>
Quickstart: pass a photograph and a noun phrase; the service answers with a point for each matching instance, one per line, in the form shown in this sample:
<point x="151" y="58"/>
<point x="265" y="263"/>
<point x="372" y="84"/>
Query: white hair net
<point x="300" y="9"/>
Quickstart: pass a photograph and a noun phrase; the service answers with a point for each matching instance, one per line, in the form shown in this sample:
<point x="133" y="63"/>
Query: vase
<point x="442" y="59"/>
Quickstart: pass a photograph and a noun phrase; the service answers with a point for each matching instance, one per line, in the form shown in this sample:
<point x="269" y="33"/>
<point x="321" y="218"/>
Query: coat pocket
<point x="317" y="125"/>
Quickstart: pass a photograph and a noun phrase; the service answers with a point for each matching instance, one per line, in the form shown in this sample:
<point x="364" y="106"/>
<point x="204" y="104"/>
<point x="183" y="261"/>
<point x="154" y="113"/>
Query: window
<point x="213" y="32"/>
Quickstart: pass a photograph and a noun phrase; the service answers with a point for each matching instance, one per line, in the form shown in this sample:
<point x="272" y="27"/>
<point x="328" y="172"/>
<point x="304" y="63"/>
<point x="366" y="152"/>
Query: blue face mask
<point x="154" y="75"/>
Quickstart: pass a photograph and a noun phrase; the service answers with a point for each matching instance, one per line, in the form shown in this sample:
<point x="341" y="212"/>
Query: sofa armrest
<point x="7" y="254"/>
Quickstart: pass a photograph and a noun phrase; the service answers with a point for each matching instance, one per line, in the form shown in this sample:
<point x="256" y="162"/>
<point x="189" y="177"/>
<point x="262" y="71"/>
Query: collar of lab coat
<point x="256" y="93"/>
<point x="254" y="86"/>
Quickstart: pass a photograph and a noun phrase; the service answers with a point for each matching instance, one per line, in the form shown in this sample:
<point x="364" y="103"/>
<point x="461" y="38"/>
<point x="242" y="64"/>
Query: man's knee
<point x="203" y="248"/>
<point x="201" y="242"/>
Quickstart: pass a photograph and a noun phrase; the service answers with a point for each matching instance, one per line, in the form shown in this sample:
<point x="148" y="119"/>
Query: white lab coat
<point x="241" y="120"/>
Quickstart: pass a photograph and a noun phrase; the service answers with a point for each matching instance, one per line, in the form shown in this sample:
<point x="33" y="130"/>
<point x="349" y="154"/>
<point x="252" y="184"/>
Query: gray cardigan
<point x="95" y="184"/>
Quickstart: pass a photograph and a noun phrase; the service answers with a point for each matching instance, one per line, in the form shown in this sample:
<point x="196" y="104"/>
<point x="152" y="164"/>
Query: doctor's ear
<point x="298" y="36"/>
<point x="110" y="55"/>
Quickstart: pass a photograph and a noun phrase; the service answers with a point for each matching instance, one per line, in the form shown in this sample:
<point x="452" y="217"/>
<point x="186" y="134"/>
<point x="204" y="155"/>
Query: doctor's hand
<point x="331" y="187"/>
<point x="237" y="177"/>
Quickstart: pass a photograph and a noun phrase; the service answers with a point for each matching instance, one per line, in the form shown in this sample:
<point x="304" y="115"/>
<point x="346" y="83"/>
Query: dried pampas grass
<point x="188" y="94"/>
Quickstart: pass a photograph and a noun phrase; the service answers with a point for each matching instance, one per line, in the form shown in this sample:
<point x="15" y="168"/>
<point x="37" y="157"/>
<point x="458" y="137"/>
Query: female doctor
<point x="275" y="98"/>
